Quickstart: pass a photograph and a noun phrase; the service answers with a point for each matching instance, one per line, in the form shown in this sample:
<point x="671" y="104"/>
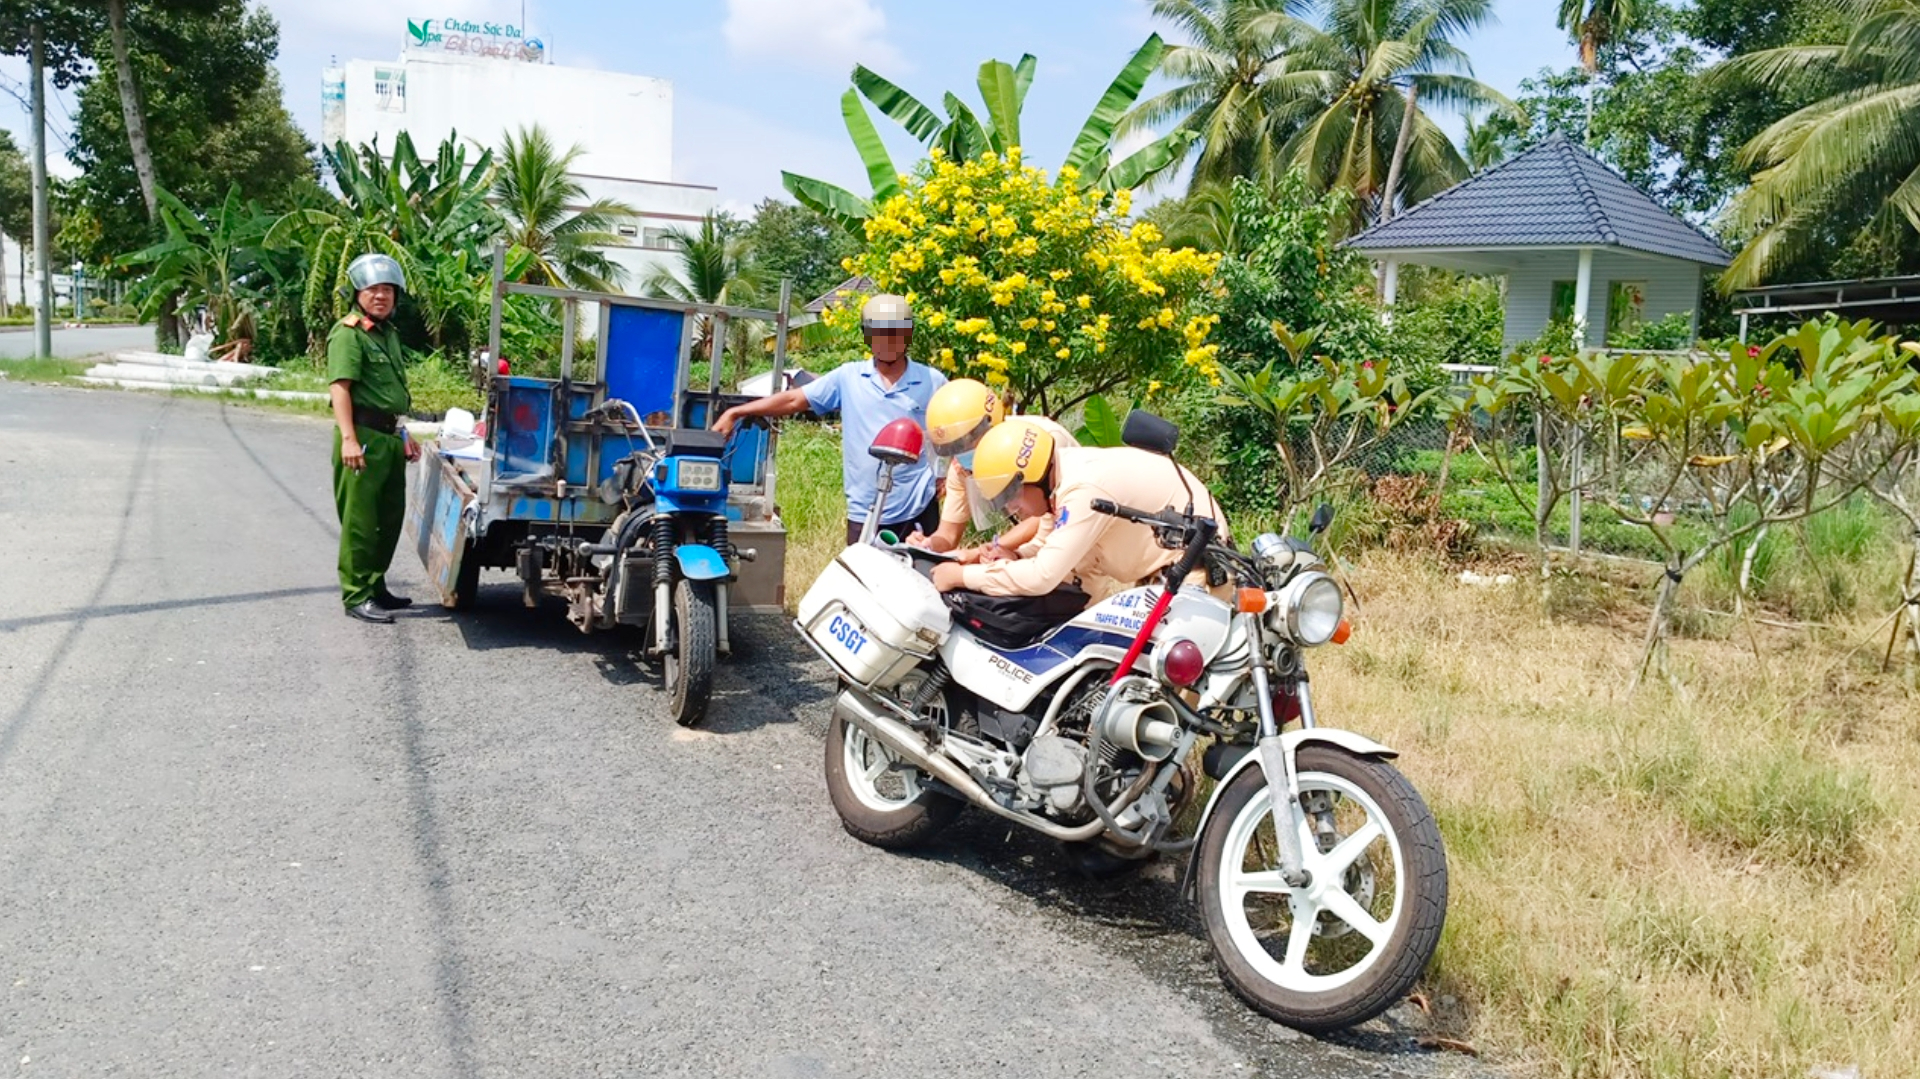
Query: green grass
<point x="44" y="370"/>
<point x="812" y="501"/>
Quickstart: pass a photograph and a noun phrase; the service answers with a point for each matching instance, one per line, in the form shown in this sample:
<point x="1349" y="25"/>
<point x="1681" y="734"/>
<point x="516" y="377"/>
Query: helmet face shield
<point x="958" y="439"/>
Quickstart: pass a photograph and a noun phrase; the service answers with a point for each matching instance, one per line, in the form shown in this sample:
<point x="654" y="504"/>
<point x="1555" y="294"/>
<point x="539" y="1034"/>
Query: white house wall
<point x="623" y="122"/>
<point x="1672" y="286"/>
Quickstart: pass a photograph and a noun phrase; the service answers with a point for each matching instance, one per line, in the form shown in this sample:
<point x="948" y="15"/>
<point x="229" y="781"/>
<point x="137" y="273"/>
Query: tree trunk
<point x="42" y="227"/>
<point x="1400" y="143"/>
<point x="130" y="109"/>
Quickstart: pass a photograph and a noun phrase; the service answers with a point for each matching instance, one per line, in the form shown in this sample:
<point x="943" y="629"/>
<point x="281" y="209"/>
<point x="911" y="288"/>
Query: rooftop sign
<point x="468" y="38"/>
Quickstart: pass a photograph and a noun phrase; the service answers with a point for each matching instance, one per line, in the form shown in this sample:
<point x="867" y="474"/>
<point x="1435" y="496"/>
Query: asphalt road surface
<point x="241" y="834"/>
<point x="76" y="343"/>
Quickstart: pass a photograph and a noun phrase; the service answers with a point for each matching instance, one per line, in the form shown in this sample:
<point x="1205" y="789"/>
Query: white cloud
<point x="824" y="35"/>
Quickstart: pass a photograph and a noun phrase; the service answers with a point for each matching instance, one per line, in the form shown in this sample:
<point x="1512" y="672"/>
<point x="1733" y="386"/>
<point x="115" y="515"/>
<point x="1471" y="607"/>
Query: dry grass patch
<point x="1718" y="882"/>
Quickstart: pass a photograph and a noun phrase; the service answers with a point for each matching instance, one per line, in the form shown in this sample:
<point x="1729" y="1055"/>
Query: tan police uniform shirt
<point x="1086" y="544"/>
<point x="957" y="507"/>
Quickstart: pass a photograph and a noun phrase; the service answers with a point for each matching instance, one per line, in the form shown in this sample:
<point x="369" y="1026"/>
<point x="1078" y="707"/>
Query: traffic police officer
<point x="369" y="390"/>
<point x="958" y="417"/>
<point x="1018" y="469"/>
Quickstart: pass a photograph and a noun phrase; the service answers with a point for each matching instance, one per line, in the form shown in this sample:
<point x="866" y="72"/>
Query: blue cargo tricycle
<point x="605" y="488"/>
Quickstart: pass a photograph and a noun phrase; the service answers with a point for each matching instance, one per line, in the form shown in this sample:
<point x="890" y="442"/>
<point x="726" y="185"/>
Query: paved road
<point x="78" y="342"/>
<point x="243" y="835"/>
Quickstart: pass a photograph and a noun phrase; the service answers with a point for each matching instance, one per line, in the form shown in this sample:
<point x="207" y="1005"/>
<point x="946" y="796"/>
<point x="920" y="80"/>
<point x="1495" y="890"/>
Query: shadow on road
<point x="766" y="681"/>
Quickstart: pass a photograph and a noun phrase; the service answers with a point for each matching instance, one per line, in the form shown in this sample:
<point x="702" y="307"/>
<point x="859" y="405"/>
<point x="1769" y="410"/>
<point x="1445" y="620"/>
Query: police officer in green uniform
<point x="369" y="391"/>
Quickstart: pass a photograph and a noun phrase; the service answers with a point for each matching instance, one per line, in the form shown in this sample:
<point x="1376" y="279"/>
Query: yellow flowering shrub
<point x="1031" y="284"/>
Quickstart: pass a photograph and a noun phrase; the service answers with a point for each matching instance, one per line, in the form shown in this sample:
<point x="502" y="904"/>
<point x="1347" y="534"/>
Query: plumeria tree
<point x="1035" y="284"/>
<point x="1736" y="442"/>
<point x="1322" y="412"/>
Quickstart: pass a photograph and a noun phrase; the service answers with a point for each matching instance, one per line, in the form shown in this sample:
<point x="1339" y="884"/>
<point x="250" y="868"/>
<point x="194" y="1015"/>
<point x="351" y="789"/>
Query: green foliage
<point x="417" y="210"/>
<point x="1444" y="317"/>
<point x="201" y="261"/>
<point x="1855" y="148"/>
<point x="214" y="118"/>
<point x="1320" y="413"/>
<point x="1292" y="271"/>
<point x="800" y="244"/>
<point x="1675" y="331"/>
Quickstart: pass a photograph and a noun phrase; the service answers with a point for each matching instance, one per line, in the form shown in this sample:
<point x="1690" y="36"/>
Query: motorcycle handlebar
<point x="1196" y="533"/>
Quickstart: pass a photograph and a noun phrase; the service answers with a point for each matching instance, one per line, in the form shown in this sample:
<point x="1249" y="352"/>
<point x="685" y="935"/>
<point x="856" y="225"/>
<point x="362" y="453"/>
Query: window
<point x="390" y="89"/>
<point x="656" y="238"/>
<point x="1626" y="306"/>
<point x="627" y="230"/>
<point x="1562" y="306"/>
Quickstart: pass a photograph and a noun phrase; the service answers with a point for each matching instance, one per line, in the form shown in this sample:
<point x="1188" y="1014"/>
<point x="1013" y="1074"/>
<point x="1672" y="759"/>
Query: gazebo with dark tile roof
<point x="1570" y="234"/>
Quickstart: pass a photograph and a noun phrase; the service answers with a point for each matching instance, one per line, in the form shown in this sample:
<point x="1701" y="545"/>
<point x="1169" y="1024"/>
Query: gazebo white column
<point x="1582" y="295"/>
<point x="1389" y="287"/>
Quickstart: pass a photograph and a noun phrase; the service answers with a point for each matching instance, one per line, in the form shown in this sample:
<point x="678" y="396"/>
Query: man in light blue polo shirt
<point x="869" y="396"/>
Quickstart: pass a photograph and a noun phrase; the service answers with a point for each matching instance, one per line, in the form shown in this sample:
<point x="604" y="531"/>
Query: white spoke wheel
<point x="1355" y="939"/>
<point x="882" y="798"/>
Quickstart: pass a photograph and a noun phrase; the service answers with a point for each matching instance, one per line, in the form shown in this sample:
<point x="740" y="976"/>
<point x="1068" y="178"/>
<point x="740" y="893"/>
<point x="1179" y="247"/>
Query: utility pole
<point x="43" y="315"/>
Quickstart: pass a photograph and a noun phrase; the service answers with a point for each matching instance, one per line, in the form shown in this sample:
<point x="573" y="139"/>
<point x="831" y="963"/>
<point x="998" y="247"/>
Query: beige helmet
<point x="885" y="311"/>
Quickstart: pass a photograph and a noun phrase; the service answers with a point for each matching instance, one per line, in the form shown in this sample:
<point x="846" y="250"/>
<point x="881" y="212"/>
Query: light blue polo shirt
<point x="865" y="406"/>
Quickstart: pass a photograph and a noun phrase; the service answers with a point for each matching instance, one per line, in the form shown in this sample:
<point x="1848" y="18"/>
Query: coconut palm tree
<point x="542" y="205"/>
<point x="1372" y="65"/>
<point x="1858" y="146"/>
<point x="1237" y="94"/>
<point x="711" y="267"/>
<point x="1595" y="24"/>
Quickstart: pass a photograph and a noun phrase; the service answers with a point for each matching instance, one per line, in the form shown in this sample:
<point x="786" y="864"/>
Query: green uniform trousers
<point x="373" y="506"/>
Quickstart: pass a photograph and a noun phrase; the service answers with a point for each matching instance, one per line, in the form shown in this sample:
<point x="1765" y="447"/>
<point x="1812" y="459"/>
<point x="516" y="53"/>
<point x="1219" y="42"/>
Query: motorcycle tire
<point x="1301" y="987"/>
<point x="466" y="584"/>
<point x="882" y="801"/>
<point x="690" y="659"/>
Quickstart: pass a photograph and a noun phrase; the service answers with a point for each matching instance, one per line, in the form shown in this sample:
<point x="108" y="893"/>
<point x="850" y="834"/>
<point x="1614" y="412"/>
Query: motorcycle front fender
<point x="699" y="562"/>
<point x="1291" y="741"/>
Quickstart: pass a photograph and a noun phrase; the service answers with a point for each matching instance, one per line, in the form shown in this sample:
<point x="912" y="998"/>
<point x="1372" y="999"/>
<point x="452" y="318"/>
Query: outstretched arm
<point x="785" y="403"/>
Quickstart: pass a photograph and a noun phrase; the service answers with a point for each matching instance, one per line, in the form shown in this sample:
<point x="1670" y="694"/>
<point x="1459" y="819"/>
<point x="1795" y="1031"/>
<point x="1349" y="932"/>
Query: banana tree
<point x="961" y="133"/>
<point x="202" y="261"/>
<point x="411" y="208"/>
<point x="1323" y="413"/>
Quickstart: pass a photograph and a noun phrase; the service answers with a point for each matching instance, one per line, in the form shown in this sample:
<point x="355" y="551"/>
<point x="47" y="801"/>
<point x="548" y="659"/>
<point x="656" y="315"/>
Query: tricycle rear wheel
<point x="690" y="657"/>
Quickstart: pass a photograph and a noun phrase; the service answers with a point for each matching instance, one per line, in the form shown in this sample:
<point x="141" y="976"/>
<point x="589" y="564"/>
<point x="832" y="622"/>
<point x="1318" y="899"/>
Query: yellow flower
<point x="1029" y="323"/>
<point x="1062" y="354"/>
<point x="1085" y="301"/>
<point x="1017" y="347"/>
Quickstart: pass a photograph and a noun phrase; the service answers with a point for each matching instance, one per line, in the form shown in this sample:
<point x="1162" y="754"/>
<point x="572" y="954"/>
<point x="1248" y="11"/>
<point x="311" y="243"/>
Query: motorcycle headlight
<point x="1307" y="611"/>
<point x="695" y="475"/>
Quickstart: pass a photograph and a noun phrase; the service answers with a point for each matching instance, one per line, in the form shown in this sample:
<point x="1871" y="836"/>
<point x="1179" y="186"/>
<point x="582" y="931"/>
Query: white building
<point x="483" y="80"/>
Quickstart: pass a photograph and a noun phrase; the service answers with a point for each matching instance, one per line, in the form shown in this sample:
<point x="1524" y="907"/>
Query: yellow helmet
<point x="1008" y="458"/>
<point x="960" y="414"/>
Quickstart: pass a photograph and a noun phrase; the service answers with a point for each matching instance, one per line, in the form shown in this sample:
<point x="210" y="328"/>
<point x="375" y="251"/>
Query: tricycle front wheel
<point x="690" y="658"/>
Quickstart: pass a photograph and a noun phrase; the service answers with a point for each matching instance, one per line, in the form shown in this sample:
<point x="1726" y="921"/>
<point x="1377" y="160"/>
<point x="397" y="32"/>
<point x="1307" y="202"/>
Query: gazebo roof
<point x="1554" y="195"/>
<point x="857" y="285"/>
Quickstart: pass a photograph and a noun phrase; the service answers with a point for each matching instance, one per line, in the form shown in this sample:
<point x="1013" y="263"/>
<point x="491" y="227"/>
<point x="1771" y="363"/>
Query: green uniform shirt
<point x="369" y="357"/>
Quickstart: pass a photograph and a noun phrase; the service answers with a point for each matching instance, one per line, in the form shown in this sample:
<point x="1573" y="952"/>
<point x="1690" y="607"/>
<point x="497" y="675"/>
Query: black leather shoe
<point x="369" y="612"/>
<point x="387" y="601"/>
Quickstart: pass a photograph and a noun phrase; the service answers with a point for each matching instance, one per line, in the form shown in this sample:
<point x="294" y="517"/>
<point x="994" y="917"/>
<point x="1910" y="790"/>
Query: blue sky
<point x="757" y="82"/>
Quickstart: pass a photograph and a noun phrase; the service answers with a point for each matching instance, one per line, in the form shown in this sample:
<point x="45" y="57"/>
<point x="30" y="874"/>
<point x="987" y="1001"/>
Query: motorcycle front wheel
<point x="690" y="659"/>
<point x="882" y="799"/>
<point x="1352" y="941"/>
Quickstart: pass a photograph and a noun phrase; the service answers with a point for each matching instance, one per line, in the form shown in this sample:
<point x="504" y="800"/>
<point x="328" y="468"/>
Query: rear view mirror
<point x="1322" y="517"/>
<point x="1146" y="431"/>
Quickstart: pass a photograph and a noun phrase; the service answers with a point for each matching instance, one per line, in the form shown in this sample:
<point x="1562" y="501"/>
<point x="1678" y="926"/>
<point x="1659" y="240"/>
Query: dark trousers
<point x="373" y="506"/>
<point x="927" y="521"/>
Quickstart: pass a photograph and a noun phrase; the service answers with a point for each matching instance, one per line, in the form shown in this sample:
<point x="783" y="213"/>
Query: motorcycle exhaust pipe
<point x="863" y="710"/>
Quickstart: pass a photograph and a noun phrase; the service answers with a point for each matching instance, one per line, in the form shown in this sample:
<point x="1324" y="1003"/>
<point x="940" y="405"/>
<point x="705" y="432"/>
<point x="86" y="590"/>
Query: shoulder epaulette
<point x="358" y="322"/>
